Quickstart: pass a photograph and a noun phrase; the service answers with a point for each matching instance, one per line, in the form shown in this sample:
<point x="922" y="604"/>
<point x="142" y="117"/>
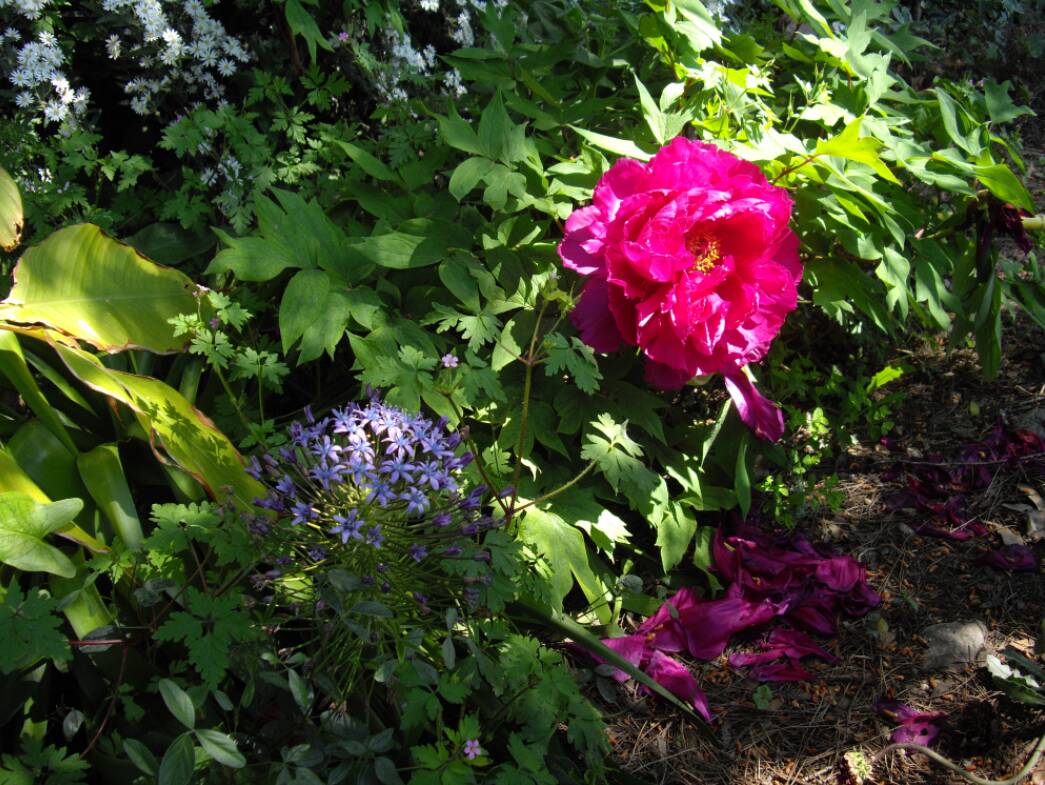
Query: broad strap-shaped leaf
<point x="183" y="432"/>
<point x="14" y="366"/>
<point x="11" y="217"/>
<point x="87" y="285"/>
<point x="24" y="523"/>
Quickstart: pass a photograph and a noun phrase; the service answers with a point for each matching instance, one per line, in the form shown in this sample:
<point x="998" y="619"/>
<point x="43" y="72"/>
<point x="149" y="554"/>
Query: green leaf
<point x="86" y="284"/>
<point x="562" y="549"/>
<point x="675" y="530"/>
<point x="457" y="133"/>
<point x="741" y="478"/>
<point x="169" y="243"/>
<point x="299" y="691"/>
<point x="301" y="22"/>
<point x="31" y="629"/>
<point x="418" y="242"/>
<point x="221" y="747"/>
<point x="23" y="525"/>
<point x="141" y="756"/>
<point x="949" y="116"/>
<point x="849" y="145"/>
<point x="209" y="629"/>
<point x="305" y="296"/>
<point x="1000" y="106"/>
<point x="102" y="473"/>
<point x="12" y="220"/>
<point x="386" y="771"/>
<point x="188" y="438"/>
<point x="467" y="175"/>
<point x="368" y="163"/>
<point x="178" y="703"/>
<point x="1000" y="181"/>
<point x="13" y="365"/>
<point x="251" y="258"/>
<point x="579" y="508"/>
<point x="500" y="138"/>
<point x="574" y="356"/>
<point x="178" y="762"/>
<point x="651" y="113"/>
<point x="613" y="145"/>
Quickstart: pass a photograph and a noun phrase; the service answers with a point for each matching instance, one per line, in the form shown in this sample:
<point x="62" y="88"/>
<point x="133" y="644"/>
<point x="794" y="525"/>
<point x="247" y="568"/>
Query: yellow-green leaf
<point x="23" y="525"/>
<point x="851" y="146"/>
<point x="183" y="432"/>
<point x="85" y="284"/>
<point x="11" y="217"/>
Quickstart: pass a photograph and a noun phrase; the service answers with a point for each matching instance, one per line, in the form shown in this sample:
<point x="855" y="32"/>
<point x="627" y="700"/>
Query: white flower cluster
<point x="42" y="84"/>
<point x="30" y="9"/>
<point x="166" y="45"/>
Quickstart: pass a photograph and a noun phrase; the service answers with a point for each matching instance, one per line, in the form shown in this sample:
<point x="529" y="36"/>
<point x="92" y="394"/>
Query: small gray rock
<point x="953" y="644"/>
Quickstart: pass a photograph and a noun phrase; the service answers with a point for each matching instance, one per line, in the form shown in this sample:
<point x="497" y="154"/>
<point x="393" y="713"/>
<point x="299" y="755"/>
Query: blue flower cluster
<point x="377" y="491"/>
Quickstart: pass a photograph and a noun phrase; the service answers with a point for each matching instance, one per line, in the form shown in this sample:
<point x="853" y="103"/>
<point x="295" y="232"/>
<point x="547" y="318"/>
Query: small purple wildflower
<point x="472" y="750"/>
<point x="450" y="361"/>
<point x="418" y="552"/>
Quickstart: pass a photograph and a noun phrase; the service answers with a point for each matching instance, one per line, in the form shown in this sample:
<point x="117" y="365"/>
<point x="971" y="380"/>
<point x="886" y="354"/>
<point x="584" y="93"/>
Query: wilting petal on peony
<point x="757" y="411"/>
<point x="676" y="678"/>
<point x="1015" y="557"/>
<point x="593" y="319"/>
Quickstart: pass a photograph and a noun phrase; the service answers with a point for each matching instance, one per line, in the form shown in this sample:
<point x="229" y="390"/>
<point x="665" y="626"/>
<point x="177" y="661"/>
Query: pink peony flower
<point x="689" y="257"/>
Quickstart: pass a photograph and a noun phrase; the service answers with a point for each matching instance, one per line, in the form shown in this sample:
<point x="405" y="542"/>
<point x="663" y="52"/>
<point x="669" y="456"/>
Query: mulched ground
<point x="804" y="733"/>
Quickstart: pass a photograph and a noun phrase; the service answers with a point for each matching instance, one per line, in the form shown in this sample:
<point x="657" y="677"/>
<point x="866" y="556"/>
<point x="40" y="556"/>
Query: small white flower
<point x="112" y="46"/>
<point x="12" y="34"/>
<point x="431" y="6"/>
<point x="55" y="111"/>
<point x="22" y="100"/>
<point x="226" y="67"/>
<point x="140" y="105"/>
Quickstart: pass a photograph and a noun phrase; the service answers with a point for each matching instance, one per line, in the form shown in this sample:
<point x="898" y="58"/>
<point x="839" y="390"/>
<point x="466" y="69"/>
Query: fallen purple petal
<point x="1016" y="558"/>
<point x="914" y="726"/>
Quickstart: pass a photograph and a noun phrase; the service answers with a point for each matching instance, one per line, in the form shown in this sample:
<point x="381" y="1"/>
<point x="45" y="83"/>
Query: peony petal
<point x="632" y="648"/>
<point x="1015" y="557"/>
<point x="582" y="242"/>
<point x="665" y="377"/>
<point x="789" y="670"/>
<point x="593" y="318"/>
<point x="676" y="678"/>
<point x="758" y="413"/>
<point x="709" y="625"/>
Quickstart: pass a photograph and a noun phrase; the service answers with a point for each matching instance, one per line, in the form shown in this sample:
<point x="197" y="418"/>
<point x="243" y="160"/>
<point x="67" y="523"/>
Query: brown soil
<point x="805" y="733"/>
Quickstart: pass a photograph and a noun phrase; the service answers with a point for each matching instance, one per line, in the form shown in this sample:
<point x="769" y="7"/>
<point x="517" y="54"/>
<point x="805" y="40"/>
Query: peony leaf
<point x="613" y="145"/>
<point x="851" y="146"/>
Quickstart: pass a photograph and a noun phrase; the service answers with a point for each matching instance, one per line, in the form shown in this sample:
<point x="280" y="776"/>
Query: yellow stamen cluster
<point x="706" y="252"/>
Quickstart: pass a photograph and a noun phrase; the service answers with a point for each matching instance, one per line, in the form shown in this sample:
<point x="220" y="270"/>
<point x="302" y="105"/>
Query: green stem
<point x="232" y="398"/>
<point x="565" y="486"/>
<point x="1028" y="767"/>
<point x="799" y="165"/>
<point x="530" y="361"/>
